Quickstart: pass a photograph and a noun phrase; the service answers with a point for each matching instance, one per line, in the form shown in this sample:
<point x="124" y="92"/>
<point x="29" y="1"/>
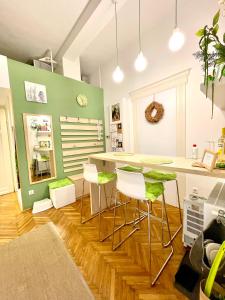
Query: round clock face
<point x="82" y="100"/>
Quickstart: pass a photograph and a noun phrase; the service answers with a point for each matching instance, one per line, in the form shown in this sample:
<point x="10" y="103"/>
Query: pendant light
<point x="177" y="39"/>
<point x="140" y="63"/>
<point x="118" y="74"/>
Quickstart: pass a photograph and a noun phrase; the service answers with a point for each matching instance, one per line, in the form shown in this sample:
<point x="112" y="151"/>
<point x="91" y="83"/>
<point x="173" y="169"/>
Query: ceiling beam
<point x="77" y="27"/>
<point x="96" y="15"/>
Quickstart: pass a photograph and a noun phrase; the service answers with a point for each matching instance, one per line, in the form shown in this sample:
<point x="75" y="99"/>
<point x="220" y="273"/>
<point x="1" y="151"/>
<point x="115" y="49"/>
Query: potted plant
<point x="211" y="55"/>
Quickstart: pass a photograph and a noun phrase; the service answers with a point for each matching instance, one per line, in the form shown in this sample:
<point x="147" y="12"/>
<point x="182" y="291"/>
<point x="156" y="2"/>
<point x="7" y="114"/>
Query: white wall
<point x="162" y="63"/>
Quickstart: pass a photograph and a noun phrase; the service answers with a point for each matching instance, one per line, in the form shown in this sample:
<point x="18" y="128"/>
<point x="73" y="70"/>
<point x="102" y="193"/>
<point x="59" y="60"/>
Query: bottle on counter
<point x="221" y="146"/>
<point x="194" y="151"/>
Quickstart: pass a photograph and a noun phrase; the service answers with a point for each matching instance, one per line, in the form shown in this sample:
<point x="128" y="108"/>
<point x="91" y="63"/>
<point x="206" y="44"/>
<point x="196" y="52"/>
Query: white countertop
<point x="179" y="164"/>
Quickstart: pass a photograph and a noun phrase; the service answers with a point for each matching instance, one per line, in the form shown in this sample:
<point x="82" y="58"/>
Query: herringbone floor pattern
<point x="120" y="275"/>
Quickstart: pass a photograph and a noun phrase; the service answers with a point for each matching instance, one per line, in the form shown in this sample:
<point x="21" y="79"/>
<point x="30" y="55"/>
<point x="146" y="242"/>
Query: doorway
<point x="6" y="173"/>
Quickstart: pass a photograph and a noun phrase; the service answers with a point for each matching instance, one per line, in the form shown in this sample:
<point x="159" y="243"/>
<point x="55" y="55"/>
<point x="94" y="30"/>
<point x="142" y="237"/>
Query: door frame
<point x="6" y="104"/>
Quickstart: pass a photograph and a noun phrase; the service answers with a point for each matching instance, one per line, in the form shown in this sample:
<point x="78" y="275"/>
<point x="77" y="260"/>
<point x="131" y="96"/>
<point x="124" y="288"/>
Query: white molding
<point x="172" y="81"/>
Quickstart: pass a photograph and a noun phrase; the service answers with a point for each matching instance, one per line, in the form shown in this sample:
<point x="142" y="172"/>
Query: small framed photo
<point x="115" y="116"/>
<point x="209" y="160"/>
<point x="35" y="92"/>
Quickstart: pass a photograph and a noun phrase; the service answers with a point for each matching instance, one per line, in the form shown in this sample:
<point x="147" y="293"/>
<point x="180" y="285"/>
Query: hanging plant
<point x="211" y="54"/>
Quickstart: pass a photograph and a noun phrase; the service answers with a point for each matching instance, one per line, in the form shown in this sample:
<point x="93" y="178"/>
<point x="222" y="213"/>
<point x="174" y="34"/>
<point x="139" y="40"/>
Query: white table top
<point x="179" y="164"/>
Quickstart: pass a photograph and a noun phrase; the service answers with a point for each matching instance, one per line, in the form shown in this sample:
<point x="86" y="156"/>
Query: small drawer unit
<point x="193" y="221"/>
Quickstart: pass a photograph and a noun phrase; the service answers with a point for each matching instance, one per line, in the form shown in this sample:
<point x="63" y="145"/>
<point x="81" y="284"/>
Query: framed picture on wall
<point x="35" y="92"/>
<point x="115" y="116"/>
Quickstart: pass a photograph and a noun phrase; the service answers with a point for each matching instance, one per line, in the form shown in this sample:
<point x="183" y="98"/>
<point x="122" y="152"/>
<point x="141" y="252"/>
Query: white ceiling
<point x="103" y="47"/>
<point x="29" y="27"/>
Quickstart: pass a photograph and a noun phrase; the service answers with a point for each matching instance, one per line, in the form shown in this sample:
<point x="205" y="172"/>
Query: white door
<point x="160" y="138"/>
<point x="6" y="176"/>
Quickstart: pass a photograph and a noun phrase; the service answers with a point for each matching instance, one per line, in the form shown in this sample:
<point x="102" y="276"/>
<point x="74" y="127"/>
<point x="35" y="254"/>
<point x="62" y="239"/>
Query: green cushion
<point x="104" y="177"/>
<point x="60" y="183"/>
<point x="153" y="190"/>
<point x="129" y="168"/>
<point x="156" y="175"/>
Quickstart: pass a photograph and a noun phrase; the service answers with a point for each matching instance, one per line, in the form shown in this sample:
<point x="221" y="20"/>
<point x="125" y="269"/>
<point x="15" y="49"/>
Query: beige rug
<point x="37" y="266"/>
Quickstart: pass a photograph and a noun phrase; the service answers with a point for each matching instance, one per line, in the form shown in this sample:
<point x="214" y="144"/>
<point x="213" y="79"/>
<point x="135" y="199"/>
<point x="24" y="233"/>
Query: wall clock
<point x="82" y="100"/>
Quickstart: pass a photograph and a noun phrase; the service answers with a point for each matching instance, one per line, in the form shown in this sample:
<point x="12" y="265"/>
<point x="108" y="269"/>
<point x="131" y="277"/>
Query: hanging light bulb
<point x="140" y="63"/>
<point x="118" y="74"/>
<point x="177" y="38"/>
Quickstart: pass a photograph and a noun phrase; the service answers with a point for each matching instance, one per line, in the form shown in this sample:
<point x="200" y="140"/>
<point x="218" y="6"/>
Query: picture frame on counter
<point x="208" y="160"/>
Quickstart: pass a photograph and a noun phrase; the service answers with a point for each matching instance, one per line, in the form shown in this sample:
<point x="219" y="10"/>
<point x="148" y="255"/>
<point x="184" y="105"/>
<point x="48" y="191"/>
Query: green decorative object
<point x="156" y="175"/>
<point x="82" y="100"/>
<point x="60" y="183"/>
<point x="123" y="154"/>
<point x="104" y="177"/>
<point x="220" y="165"/>
<point x="129" y="168"/>
<point x="211" y="54"/>
<point x="153" y="190"/>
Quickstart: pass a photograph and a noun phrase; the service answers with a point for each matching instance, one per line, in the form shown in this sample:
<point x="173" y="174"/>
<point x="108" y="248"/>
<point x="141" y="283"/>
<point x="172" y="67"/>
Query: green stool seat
<point x="129" y="168"/>
<point x="60" y="183"/>
<point x="105" y="177"/>
<point x="160" y="176"/>
<point x="153" y="190"/>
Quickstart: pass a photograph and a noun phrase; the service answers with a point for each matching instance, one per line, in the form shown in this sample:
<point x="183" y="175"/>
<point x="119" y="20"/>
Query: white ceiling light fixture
<point x="118" y="74"/>
<point x="140" y="63"/>
<point x="177" y="39"/>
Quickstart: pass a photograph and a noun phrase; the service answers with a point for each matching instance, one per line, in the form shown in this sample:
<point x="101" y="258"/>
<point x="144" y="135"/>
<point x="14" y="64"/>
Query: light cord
<point x="176" y="14"/>
<point x="117" y="51"/>
<point x="139" y="24"/>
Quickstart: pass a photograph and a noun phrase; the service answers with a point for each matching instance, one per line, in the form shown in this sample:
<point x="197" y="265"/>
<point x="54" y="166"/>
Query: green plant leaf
<point x="223" y="73"/>
<point x="215" y="29"/>
<point x="211" y="78"/>
<point x="224" y="37"/>
<point x="200" y="32"/>
<point x="216" y="18"/>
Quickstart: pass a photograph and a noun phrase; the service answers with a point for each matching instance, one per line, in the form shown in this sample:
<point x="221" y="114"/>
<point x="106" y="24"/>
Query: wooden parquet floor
<point x="121" y="274"/>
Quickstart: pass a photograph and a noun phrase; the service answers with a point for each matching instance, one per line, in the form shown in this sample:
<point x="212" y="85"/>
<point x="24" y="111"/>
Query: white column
<point x="4" y="74"/>
<point x="71" y="68"/>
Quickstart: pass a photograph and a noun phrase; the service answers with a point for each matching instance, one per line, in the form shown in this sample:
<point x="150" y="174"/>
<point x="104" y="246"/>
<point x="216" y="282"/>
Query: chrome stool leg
<point x="180" y="216"/>
<point x="81" y="209"/>
<point x="171" y="246"/>
<point x="133" y="222"/>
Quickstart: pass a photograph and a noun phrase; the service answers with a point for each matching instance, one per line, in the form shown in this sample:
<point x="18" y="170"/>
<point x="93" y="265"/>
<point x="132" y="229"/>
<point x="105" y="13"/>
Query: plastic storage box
<point x="41" y="205"/>
<point x="62" y="192"/>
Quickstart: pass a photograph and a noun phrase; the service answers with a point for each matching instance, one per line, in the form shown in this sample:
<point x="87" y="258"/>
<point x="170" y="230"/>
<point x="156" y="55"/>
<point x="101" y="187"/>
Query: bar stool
<point x="134" y="186"/>
<point x="91" y="175"/>
<point x="158" y="176"/>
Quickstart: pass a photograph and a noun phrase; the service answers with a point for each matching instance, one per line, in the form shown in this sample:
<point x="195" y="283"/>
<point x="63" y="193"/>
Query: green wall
<point x="61" y="94"/>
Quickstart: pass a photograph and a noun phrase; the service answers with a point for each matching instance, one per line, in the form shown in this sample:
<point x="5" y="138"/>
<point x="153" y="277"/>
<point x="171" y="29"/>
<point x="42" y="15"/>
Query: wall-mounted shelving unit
<point x="80" y="137"/>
